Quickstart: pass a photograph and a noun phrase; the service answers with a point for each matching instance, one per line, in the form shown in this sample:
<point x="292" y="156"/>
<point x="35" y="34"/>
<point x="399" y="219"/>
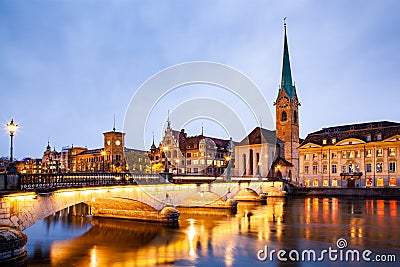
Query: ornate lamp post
<point x="12" y="128"/>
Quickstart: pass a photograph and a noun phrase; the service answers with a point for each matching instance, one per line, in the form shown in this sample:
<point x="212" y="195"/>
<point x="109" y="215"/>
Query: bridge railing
<point x="51" y="181"/>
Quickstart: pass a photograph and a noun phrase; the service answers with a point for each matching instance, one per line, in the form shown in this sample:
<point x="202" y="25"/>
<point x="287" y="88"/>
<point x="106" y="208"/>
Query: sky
<point x="66" y="67"/>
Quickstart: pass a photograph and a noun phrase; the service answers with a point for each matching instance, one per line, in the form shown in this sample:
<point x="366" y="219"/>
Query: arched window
<point x="295" y="116"/>
<point x="284" y="116"/>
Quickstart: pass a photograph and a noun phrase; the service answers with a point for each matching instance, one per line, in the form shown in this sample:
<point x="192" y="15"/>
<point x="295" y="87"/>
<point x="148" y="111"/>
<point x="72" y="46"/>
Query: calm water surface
<point x="219" y="238"/>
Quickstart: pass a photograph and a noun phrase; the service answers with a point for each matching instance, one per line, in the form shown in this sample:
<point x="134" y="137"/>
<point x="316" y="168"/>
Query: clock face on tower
<point x="283" y="102"/>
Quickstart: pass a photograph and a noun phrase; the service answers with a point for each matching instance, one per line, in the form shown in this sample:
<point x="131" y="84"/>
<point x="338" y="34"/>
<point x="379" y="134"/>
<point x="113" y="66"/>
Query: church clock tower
<point x="287" y="115"/>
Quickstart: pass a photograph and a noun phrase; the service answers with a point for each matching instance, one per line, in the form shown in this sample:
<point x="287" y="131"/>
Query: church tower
<point x="287" y="112"/>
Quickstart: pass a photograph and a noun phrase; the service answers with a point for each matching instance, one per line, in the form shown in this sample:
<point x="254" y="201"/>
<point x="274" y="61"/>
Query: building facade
<point x="191" y="155"/>
<point x="357" y="155"/>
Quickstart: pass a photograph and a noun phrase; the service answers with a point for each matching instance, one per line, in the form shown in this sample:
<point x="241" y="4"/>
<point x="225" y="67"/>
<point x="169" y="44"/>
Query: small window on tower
<point x="284" y="116"/>
<point x="295" y="116"/>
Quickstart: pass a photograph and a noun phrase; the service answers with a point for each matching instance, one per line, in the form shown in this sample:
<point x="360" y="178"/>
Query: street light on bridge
<point x="12" y="128"/>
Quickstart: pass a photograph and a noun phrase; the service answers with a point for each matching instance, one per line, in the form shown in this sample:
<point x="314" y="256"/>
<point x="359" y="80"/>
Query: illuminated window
<point x="334" y="168"/>
<point x="379" y="167"/>
<point x="358" y="154"/>
<point x="325" y="182"/>
<point x="379" y="182"/>
<point x="333" y="141"/>
<point x="306" y="182"/>
<point x="334" y="155"/>
<point x="118" y="142"/>
<point x="344" y="155"/>
<point x="315" y="182"/>
<point x="392" y="152"/>
<point x="324" y="156"/>
<point x="307" y="157"/>
<point x="392" y="181"/>
<point x="306" y="169"/>
<point x="324" y="142"/>
<point x="108" y="142"/>
<point x="392" y="166"/>
<point x="195" y="154"/>
<point x="379" y="152"/>
<point x="368" y="182"/>
<point x="334" y="182"/>
<point x="368" y="153"/>
<point x="315" y="156"/>
<point x="351" y="154"/>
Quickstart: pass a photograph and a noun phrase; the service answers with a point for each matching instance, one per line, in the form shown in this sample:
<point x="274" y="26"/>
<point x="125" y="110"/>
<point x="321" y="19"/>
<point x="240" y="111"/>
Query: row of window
<point x="334" y="182"/>
<point x="368" y="138"/>
<point x="351" y="168"/>
<point x="351" y="154"/>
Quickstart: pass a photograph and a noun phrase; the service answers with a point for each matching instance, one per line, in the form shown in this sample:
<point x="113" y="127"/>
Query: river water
<point x="215" y="238"/>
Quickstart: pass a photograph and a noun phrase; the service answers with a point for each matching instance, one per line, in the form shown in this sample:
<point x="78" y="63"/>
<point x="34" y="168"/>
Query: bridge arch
<point x="25" y="209"/>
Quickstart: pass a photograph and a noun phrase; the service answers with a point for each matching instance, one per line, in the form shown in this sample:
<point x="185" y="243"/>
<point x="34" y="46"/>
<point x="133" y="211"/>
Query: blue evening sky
<point x="67" y="66"/>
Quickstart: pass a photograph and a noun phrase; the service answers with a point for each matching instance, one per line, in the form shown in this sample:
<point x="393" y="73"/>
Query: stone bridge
<point x="153" y="202"/>
<point x="150" y="198"/>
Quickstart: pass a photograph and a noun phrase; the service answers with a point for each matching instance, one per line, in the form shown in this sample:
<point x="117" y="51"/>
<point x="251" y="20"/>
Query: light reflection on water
<point x="219" y="238"/>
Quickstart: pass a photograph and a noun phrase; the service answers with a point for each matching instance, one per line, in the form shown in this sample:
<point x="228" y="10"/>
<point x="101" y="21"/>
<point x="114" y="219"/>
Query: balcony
<point x="355" y="175"/>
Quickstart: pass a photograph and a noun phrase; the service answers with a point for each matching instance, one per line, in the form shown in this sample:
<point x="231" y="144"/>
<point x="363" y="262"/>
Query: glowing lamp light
<point x="12" y="127"/>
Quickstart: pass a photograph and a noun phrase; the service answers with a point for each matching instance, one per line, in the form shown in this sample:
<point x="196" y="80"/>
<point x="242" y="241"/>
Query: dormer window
<point x="324" y="142"/>
<point x="368" y="137"/>
<point x="379" y="137"/>
<point x="333" y="141"/>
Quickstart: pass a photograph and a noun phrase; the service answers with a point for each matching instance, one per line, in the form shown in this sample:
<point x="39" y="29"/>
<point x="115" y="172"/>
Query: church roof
<point x="359" y="131"/>
<point x="259" y="136"/>
<point x="286" y="80"/>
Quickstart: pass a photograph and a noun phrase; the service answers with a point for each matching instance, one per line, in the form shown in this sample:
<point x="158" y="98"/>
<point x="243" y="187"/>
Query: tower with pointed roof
<point x="287" y="111"/>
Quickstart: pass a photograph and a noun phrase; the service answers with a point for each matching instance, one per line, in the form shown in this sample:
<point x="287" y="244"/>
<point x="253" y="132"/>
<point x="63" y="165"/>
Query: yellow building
<point x="357" y="155"/>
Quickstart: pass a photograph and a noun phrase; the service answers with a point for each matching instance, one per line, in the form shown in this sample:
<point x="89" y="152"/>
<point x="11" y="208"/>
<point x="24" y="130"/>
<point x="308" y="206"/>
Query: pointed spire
<point x="168" y="121"/>
<point x="286" y="81"/>
<point x="153" y="146"/>
<point x="114" y="124"/>
<point x="202" y="129"/>
<point x="48" y="144"/>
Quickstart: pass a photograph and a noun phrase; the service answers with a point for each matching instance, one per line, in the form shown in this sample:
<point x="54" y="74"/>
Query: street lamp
<point x="103" y="153"/>
<point x="12" y="128"/>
